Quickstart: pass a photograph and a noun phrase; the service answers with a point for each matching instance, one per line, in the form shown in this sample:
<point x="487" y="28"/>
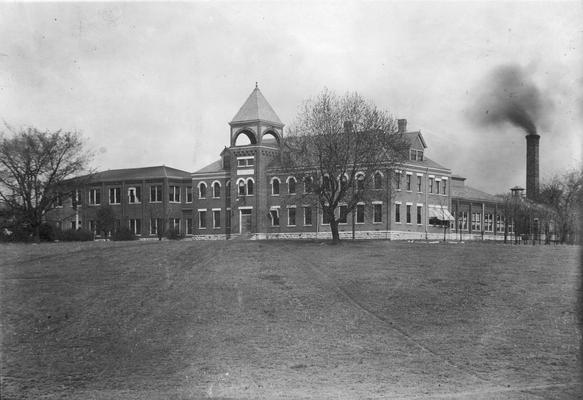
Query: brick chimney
<point x="532" y="176"/>
<point x="402" y="124"/>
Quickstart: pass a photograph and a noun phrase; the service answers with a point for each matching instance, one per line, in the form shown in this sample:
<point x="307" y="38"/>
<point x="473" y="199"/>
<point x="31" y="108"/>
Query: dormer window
<point x="416" y="155"/>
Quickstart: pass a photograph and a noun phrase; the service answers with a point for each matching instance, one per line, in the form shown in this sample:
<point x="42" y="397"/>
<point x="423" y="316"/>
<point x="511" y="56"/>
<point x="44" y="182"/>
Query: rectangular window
<point x="189" y="226"/>
<point x="153" y="226"/>
<point x="413" y="155"/>
<point x="360" y="213"/>
<point x="419" y="155"/>
<point x="114" y="195"/>
<point x="378" y="213"/>
<point x="174" y="224"/>
<point x="463" y="220"/>
<point x="419" y="215"/>
<point x="202" y="219"/>
<point x="437" y="183"/>
<point x="499" y="224"/>
<point x="308" y="185"/>
<point x="189" y="194"/>
<point x="431" y="185"/>
<point x="418" y="183"/>
<point x="134" y="194"/>
<point x="136" y="226"/>
<point x="476" y="221"/>
<point x="398" y="180"/>
<point x="155" y="194"/>
<point x="59" y="200"/>
<point x="325" y="217"/>
<point x="95" y="197"/>
<point x="307" y="215"/>
<point x="216" y="218"/>
<point x="274" y="214"/>
<point x="291" y="216"/>
<point x="343" y="215"/>
<point x="398" y="212"/>
<point x="408" y="182"/>
<point x="228" y="218"/>
<point x="174" y="194"/>
<point x="241" y="162"/>
<point x="408" y="213"/>
<point x="489" y="223"/>
<point x="443" y="187"/>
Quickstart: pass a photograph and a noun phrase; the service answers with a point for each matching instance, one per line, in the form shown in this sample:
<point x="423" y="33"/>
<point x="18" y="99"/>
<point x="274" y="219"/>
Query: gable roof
<point x="470" y="193"/>
<point x="414" y="137"/>
<point x="256" y="108"/>
<point x="127" y="174"/>
<point x="215" y="166"/>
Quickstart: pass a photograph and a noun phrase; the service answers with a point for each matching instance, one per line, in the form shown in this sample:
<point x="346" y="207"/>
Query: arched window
<point x="228" y="189"/>
<point x="242" y="188"/>
<point x="343" y="182"/>
<point x="378" y="180"/>
<point x="216" y="189"/>
<point x="249" y="187"/>
<point x="201" y="190"/>
<point x="360" y="182"/>
<point x="291" y="185"/>
<point x="275" y="186"/>
<point x="308" y="184"/>
<point x="326" y="182"/>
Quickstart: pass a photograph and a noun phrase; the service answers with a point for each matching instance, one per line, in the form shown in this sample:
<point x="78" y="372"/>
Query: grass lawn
<point x="289" y="320"/>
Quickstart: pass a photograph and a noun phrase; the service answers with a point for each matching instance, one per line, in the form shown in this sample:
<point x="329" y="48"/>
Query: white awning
<point x="441" y="213"/>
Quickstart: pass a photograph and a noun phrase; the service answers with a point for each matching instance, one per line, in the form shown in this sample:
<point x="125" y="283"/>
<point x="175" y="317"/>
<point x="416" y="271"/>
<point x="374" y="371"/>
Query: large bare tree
<point x="34" y="167"/>
<point x="338" y="143"/>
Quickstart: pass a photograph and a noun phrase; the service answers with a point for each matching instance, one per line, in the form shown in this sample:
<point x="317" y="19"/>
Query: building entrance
<point x="245" y="225"/>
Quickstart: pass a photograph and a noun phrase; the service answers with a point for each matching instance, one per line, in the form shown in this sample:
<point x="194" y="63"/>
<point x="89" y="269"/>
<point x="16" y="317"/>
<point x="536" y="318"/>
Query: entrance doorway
<point x="245" y="225"/>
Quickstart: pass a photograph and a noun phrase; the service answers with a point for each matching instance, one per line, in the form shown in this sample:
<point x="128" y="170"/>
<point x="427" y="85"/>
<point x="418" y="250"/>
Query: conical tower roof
<point x="256" y="108"/>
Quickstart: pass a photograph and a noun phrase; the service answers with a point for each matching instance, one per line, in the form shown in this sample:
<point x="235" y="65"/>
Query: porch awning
<point x="441" y="213"/>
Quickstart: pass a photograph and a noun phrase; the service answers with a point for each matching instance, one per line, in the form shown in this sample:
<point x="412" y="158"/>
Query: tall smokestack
<point x="532" y="166"/>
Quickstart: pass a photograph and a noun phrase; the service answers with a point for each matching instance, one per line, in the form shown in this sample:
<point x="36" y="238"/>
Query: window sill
<point x="294" y="225"/>
<point x="136" y="202"/>
<point x="377" y="223"/>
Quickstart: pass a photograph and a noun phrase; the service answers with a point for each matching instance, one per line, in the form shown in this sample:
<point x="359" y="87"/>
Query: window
<point x="413" y="155"/>
<point x="325" y="216"/>
<point x="73" y="225"/>
<point x="343" y="215"/>
<point x="95" y="197"/>
<point x="408" y="213"/>
<point x="307" y="215"/>
<point x="114" y="195"/>
<point x="136" y="226"/>
<point x="291" y="185"/>
<point x="242" y="187"/>
<point x="378" y="181"/>
<point x="174" y="194"/>
<point x="326" y="183"/>
<point x="419" y="215"/>
<point x="378" y="213"/>
<point x="360" y="183"/>
<point x="476" y="221"/>
<point x="419" y="183"/>
<point x="156" y="226"/>
<point x="202" y="219"/>
<point x="275" y="187"/>
<point x="499" y="224"/>
<point x="437" y="183"/>
<point x="59" y="200"/>
<point x="245" y="162"/>
<point x="307" y="184"/>
<point x="93" y="226"/>
<point x="291" y="216"/>
<point x="398" y="212"/>
<point x="228" y="218"/>
<point x="398" y="180"/>
<point x="216" y="218"/>
<point x="274" y="214"/>
<point x="189" y="226"/>
<point x="443" y="187"/>
<point x="431" y="185"/>
<point x="174" y="224"/>
<point x="216" y="190"/>
<point x="155" y="194"/>
<point x="343" y="183"/>
<point x="360" y="213"/>
<point x="241" y="162"/>
<point x="249" y="187"/>
<point x="463" y="220"/>
<point x="419" y="155"/>
<point x="202" y="190"/>
<point x="134" y="194"/>
<point x="228" y="189"/>
<point x="408" y="182"/>
<point x="75" y="199"/>
<point x="489" y="223"/>
<point x="189" y="194"/>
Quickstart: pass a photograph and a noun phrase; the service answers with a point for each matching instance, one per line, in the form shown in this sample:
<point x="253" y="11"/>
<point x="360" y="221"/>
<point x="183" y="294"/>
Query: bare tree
<point x="564" y="195"/>
<point x="337" y="144"/>
<point x="34" y="169"/>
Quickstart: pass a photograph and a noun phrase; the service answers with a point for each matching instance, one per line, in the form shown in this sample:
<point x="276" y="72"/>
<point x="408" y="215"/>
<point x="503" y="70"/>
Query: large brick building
<point x="246" y="193"/>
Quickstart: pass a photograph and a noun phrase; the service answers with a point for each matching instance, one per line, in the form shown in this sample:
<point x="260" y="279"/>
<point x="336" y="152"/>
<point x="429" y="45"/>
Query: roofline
<point x="276" y="124"/>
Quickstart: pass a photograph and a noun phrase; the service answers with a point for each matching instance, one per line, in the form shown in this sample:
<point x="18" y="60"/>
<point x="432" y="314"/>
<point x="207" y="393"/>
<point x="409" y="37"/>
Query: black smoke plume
<point x="510" y="96"/>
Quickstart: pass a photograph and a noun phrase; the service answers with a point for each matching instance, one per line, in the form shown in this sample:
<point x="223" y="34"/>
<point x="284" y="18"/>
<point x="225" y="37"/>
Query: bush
<point x="124" y="233"/>
<point x="79" y="235"/>
<point x="47" y="233"/>
<point x="16" y="233"/>
<point x="174" y="234"/>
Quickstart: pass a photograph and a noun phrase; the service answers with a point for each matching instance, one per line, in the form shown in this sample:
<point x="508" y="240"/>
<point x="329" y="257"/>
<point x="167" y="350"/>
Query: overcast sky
<point x="152" y="84"/>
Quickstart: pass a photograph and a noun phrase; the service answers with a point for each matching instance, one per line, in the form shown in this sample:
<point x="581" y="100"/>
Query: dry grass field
<point x="289" y="320"/>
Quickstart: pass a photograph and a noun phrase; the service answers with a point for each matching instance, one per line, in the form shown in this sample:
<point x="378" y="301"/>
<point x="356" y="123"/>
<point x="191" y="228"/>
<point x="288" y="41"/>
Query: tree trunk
<point x="334" y="229"/>
<point x="37" y="233"/>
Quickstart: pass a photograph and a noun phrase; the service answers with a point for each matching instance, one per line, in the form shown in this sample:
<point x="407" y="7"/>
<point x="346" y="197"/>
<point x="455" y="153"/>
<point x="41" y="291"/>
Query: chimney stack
<point x="532" y="177"/>
<point x="402" y="124"/>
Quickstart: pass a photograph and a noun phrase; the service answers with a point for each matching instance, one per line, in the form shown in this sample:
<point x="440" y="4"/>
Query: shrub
<point x="79" y="235"/>
<point x="124" y="233"/>
<point x="174" y="234"/>
<point x="47" y="233"/>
